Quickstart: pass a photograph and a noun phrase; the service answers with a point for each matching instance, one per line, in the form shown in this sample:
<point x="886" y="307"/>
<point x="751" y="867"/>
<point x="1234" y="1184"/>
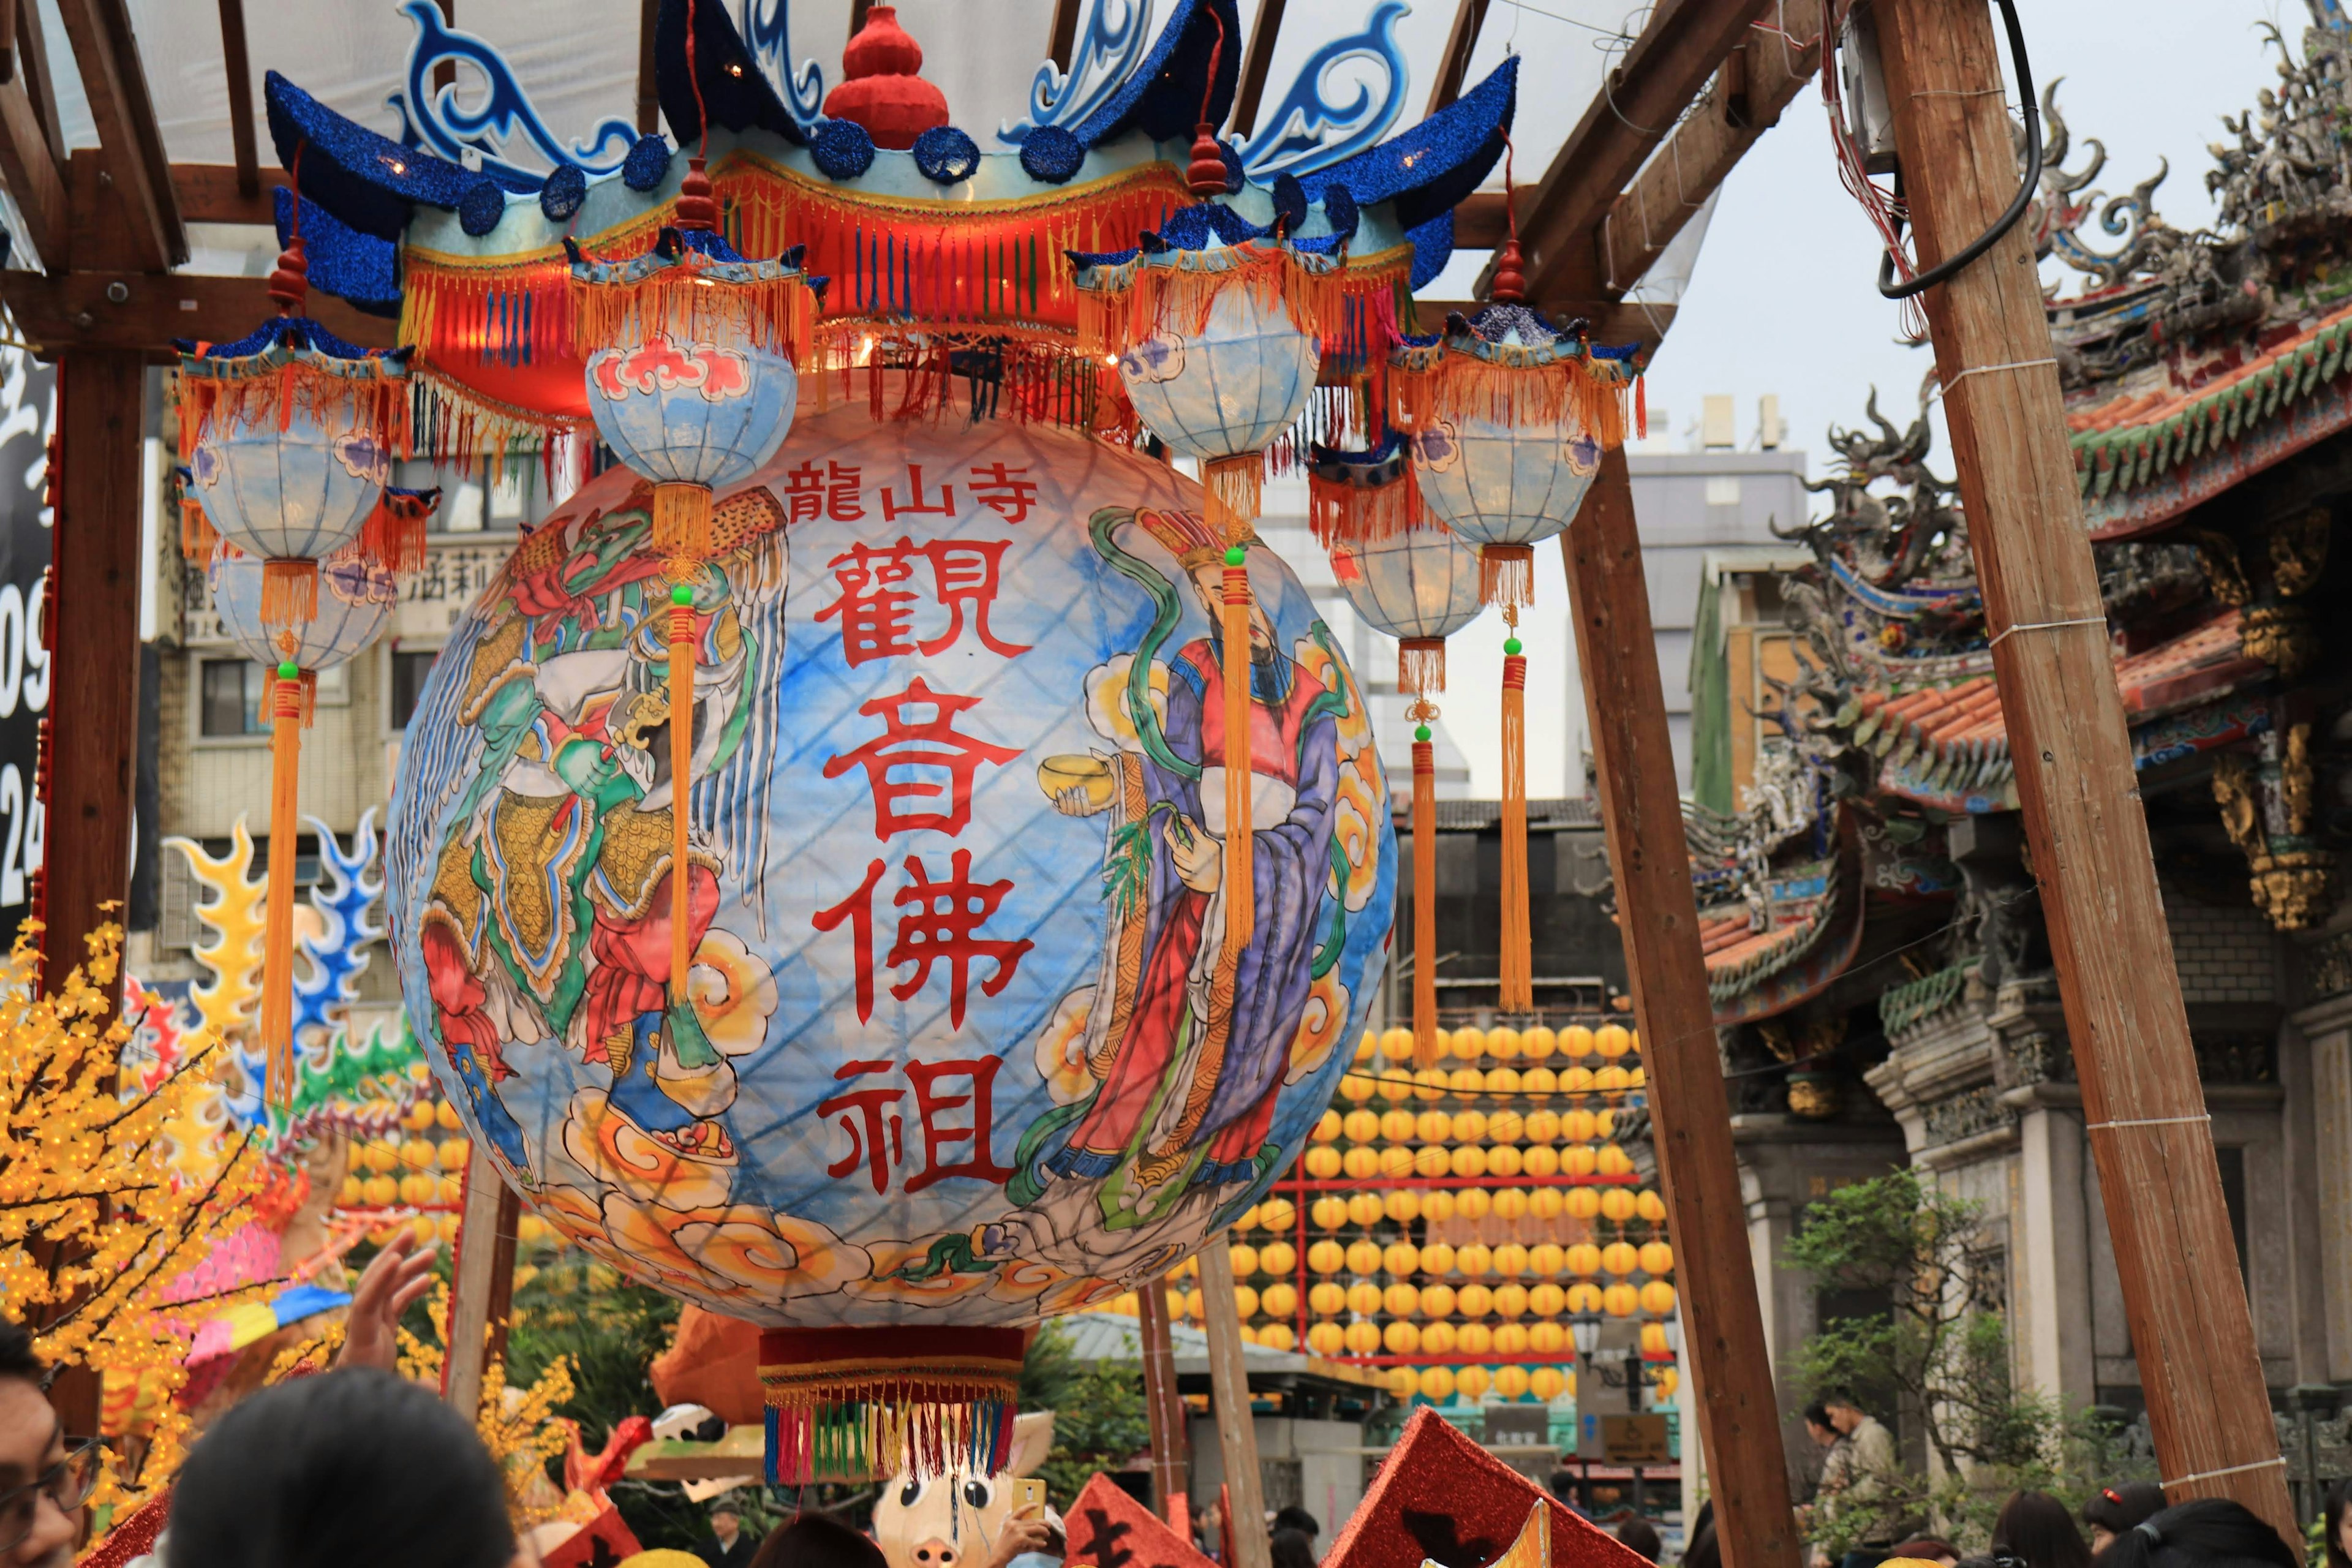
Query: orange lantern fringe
<point x="289" y="592"/>
<point x="394" y="534"/>
<point x="1507" y="575"/>
<point x="1135" y="302"/>
<point x="1447" y="385"/>
<point x="290" y="699"/>
<point x="1425" y="904"/>
<point x="1340" y="513"/>
<point x="1234" y="487"/>
<point x="1517" y="958"/>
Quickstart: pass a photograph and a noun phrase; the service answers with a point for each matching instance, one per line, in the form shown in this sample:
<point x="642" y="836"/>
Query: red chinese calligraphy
<point x="858" y="910"/>
<point x="877" y="603"/>
<point x="1006" y="489"/>
<point x="941" y="925"/>
<point x="871" y="1117"/>
<point x="892" y="509"/>
<point x="903" y="764"/>
<point x="830" y="492"/>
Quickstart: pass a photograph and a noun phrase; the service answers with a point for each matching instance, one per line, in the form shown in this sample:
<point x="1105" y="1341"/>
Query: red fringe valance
<point x="852" y="1404"/>
<point x="364" y="399"/>
<point x="1447" y="385"/>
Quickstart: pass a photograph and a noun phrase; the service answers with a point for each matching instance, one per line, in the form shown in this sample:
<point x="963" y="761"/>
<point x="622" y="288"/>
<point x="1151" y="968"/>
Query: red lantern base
<point x="847" y="1404"/>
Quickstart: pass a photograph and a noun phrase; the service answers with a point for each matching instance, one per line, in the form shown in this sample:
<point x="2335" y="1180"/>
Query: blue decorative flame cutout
<point x="1306" y="130"/>
<point x="1114" y="38"/>
<point x="439" y="123"/>
<point x="767" y="32"/>
<point x="339" y="950"/>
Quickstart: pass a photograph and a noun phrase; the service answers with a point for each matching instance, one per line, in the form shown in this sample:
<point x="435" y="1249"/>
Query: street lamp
<point x="1584" y="1328"/>
<point x="1674" y="1328"/>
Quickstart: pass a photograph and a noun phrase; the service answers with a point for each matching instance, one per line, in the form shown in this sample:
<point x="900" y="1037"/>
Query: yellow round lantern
<point x="1361" y="1126"/>
<point x="1396" y="1163"/>
<point x="1437" y="1257"/>
<point x="1543" y="1161"/>
<point x="1578" y="1126"/>
<point x="1328" y="1127"/>
<point x="1396" y="1046"/>
<point x="1538" y="1043"/>
<point x="351" y="1196"/>
<point x="1432" y="1127"/>
<point x="1619" y="1204"/>
<point x="1511" y="1338"/>
<point x="1278" y="1337"/>
<point x="1473" y="1300"/>
<point x="450" y="1189"/>
<point x="1614" y="1161"/>
<point x="1474" y="1338"/>
<point x="1401" y="1337"/>
<point x="1245" y="1300"/>
<point x="1468" y="1161"/>
<point x="1503" y="1043"/>
<point x="416" y="1189"/>
<point x="1361" y="1337"/>
<point x="1401" y="1300"/>
<point x="1653" y="1341"/>
<point x="1363" y="1208"/>
<point x="1325" y="1339"/>
<point x="1466" y="1083"/>
<point x="427" y="1226"/>
<point x="1437" y="1301"/>
<point x="1248" y="1218"/>
<point x="1472" y="1202"/>
<point x="1402" y="1206"/>
<point x="1581" y="1203"/>
<point x="1505" y="1127"/>
<point x="1547" y="1300"/>
<point x="454" y="1153"/>
<point x="1510" y="1259"/>
<point x="1436" y="1382"/>
<point x="1398" y="1126"/>
<point x="1475" y="1259"/>
<point x="1621" y="1257"/>
<point x="1637" y="1077"/>
<point x="1505" y="1162"/>
<point x="1468" y="1044"/>
<point x="1510" y="1300"/>
<point x="1546" y="1339"/>
<point x="1196" y="1307"/>
<point x="1363" y="1257"/>
<point x="1576" y="1040"/>
<point x="1401" y="1257"/>
<point x="1325" y="1258"/>
<point x="1328" y="1213"/>
<point x="1323" y="1162"/>
<point x="1657" y="1257"/>
<point x="1437" y="1207"/>
<point x="444" y="1117"/>
<point x="1545" y="1203"/>
<point x="1604" y="1123"/>
<point x="1472" y="1383"/>
<point x="1364" y="1297"/>
<point x="1368" y="1046"/>
<point x="1432" y="1160"/>
<point x="1502" y="1080"/>
<point x="1540" y="1082"/>
<point x="1403" y="1381"/>
<point x="1657" y="1298"/>
<point x="1612" y="1041"/>
<point x="1277" y="1257"/>
<point x="532" y="1230"/>
<point x="1547" y="1383"/>
<point x="1396" y="1085"/>
<point x="1244" y="1258"/>
<point x="1511" y="1382"/>
<point x="1437" y="1339"/>
<point x="1430" y="1085"/>
<point x="1670" y="1383"/>
<point x="1362" y="1162"/>
<point x="1621" y="1301"/>
<point x="1612" y="1080"/>
<point x="1579" y="1159"/>
<point x="1576" y="1081"/>
<point x="1584" y="1297"/>
<point x="1650" y="1206"/>
<point x="1542" y="1126"/>
<point x="1545" y="1258"/>
<point x="1511" y="1202"/>
<point x="378" y="1157"/>
<point x="1583" y="1260"/>
<point x="1356" y="1086"/>
<point x="1326" y="1299"/>
<point x="420" y="1115"/>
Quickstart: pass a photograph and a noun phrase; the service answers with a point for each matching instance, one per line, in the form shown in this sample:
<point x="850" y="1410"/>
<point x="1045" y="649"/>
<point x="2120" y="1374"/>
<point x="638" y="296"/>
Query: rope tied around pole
<point x="2148" y="1122"/>
<point x="1988" y="369"/>
<point x="2216" y="1475"/>
<point x="2043" y="626"/>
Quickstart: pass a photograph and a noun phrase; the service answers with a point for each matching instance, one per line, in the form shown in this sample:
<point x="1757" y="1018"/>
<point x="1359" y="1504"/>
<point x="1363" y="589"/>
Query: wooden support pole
<point x="2191" y="1333"/>
<point x="1723" y="1326"/>
<point x="239" y="72"/>
<point x="1229" y="1392"/>
<point x="1265" y="34"/>
<point x="1171" y="1471"/>
<point x="93" y="624"/>
<point x="481" y="1295"/>
<point x="648" y="95"/>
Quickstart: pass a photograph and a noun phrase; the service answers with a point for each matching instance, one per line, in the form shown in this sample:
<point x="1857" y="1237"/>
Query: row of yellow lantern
<point x="1622" y="1205"/>
<point x="1468" y="1161"/>
<point x="1474" y="1260"/>
<point x="1441" y="1384"/>
<point x="1441" y="1304"/>
<point x="1576" y="1125"/>
<point x="1503" y="1044"/>
<point x="1397" y="1084"/>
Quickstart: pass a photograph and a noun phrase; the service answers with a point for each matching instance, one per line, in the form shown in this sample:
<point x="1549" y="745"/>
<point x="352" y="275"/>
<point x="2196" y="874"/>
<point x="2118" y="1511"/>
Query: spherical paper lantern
<point x="1473" y="1300"/>
<point x="1472" y="1202"/>
<point x="1437" y="1339"/>
<point x="1437" y="1257"/>
<point x="1363" y="1257"/>
<point x="1474" y="1338"/>
<point x="1473" y="1381"/>
<point x="1363" y="1208"/>
<point x="1361" y="1338"/>
<point x="1277" y="1257"/>
<point x="1279" y="1299"/>
<point x="1364" y="1296"/>
<point x="1278" y="1337"/>
<point x="1548" y="1337"/>
<point x="1402" y="1206"/>
<point x="1403" y="1382"/>
<point x="905" y="1086"/>
<point x="1438" y="1206"/>
<point x="1511" y="1382"/>
<point x="1619" y="1258"/>
<point x="1325" y="1339"/>
<point x="1436" y="1382"/>
<point x="1326" y="1128"/>
<point x="1402" y="1338"/>
<point x="1658" y="1298"/>
<point x="1326" y="1299"/>
<point x="1547" y="1383"/>
<point x="1322" y="1163"/>
<point x="1621" y="1301"/>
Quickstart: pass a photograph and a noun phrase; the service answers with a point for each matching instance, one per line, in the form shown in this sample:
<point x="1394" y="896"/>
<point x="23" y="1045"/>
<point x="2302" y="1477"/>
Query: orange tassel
<point x="682" y="527"/>
<point x="1241" y="838"/>
<point x="1518" y="959"/>
<point x="681" y="780"/>
<point x="277" y="944"/>
<point x="1425" y="904"/>
<point x="289" y="592"/>
<point x="393" y="535"/>
<point x="1421" y="666"/>
<point x="1506" y="576"/>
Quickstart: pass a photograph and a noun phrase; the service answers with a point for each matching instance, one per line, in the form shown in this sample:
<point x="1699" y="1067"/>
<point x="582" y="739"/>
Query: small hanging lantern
<point x="1420" y="586"/>
<point x="690" y="378"/>
<point x="354" y="604"/>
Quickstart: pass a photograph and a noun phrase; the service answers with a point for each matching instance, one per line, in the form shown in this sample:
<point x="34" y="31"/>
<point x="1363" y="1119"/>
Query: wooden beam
<point x="1635" y="110"/>
<point x="648" y="93"/>
<point x="857" y="11"/>
<point x="93" y="626"/>
<point x="1690" y="1112"/>
<point x="32" y="173"/>
<point x="32" y="62"/>
<point x="1163" y="1407"/>
<point x="1229" y="1395"/>
<point x="1062" y="42"/>
<point x="1453" y="64"/>
<point x="136" y="165"/>
<point x="239" y="71"/>
<point x="1265" y="32"/>
<point x="215" y="192"/>
<point x="78" y="310"/>
<point x="445" y="72"/>
<point x="2143" y="1107"/>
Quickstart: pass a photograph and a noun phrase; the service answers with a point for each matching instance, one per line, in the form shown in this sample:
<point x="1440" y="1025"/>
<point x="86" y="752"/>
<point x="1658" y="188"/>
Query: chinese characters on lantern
<point x="919" y="764"/>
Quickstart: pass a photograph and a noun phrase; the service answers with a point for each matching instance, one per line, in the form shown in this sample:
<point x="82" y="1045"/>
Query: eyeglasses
<point x="67" y="1484"/>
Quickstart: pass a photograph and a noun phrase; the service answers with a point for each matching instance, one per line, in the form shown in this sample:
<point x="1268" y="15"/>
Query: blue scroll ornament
<point x="767" y="32"/>
<point x="436" y="121"/>
<point x="1307" y="130"/>
<point x="1115" y="36"/>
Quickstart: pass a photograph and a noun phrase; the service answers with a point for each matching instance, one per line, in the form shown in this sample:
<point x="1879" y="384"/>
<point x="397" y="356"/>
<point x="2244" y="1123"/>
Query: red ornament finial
<point x="882" y="85"/>
<point x="1510" y="274"/>
<point x="697" y="208"/>
<point x="1206" y="173"/>
<point x="290" y="284"/>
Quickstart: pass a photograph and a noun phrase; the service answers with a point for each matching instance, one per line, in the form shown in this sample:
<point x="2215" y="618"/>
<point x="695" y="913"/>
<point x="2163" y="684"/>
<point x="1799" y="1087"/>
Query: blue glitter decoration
<point x="565" y="191"/>
<point x="1432" y="247"/>
<point x="734" y="90"/>
<point x="1235" y="174"/>
<point x="295" y="332"/>
<point x="946" y="155"/>
<point x="842" y="151"/>
<point x="479" y="209"/>
<point x="370" y="182"/>
<point x="1340" y="210"/>
<point x="647" y="163"/>
<point x="1051" y="155"/>
<point x="1162" y="95"/>
<point x="1289" y="203"/>
<point x="357" y="269"/>
<point x="1430" y="168"/>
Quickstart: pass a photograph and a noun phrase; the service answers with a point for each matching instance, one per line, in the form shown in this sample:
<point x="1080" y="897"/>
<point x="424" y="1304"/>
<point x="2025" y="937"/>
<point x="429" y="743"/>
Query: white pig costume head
<point x="953" y="1521"/>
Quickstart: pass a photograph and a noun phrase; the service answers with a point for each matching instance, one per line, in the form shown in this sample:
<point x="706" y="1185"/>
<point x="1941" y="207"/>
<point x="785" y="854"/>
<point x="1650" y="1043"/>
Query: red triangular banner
<point x="1109" y="1529"/>
<point x="1442" y="1498"/>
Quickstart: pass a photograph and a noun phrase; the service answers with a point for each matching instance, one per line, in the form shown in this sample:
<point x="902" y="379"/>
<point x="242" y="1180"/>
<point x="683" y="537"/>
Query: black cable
<point x="2007" y="220"/>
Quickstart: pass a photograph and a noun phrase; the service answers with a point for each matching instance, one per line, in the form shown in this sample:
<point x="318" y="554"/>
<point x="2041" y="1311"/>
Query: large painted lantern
<point x="961" y="1046"/>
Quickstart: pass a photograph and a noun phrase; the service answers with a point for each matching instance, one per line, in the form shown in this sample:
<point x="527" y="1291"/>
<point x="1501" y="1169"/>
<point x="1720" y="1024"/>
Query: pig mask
<point x="953" y="1521"/>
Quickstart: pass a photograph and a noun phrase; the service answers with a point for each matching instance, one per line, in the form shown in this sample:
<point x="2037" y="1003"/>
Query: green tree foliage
<point x="1099" y="1419"/>
<point x="1939" y="1354"/>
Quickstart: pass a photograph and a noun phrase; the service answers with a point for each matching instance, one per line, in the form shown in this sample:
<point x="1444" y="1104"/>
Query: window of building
<point x="231" y="695"/>
<point x="408" y="672"/>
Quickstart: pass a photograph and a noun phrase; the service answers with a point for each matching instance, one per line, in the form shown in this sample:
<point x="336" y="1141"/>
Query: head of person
<point x="1703" y="1550"/>
<point x="726" y="1524"/>
<point x="1298" y="1519"/>
<point x="1292" y="1548"/>
<point x="2037" y="1529"/>
<point x="1641" y="1536"/>
<point x="1817" y="1425"/>
<point x="44" y="1478"/>
<point x="1563" y="1485"/>
<point x="1928" y="1549"/>
<point x="2211" y="1533"/>
<point x="356" y="1468"/>
<point x="816" y="1541"/>
<point x="2115" y="1508"/>
<point x="1844" y="1414"/>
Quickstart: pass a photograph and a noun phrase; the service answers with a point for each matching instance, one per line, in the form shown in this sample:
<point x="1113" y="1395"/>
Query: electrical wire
<point x="1952" y="264"/>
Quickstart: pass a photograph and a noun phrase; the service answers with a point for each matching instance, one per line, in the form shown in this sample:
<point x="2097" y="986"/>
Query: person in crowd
<point x="1641" y="1535"/>
<point x="811" y="1540"/>
<point x="2037" y="1529"/>
<point x="45" y="1478"/>
<point x="1703" y="1550"/>
<point x="1296" y="1518"/>
<point x="1565" y="1490"/>
<point x="2211" y="1533"/>
<point x="1293" y="1549"/>
<point x="2338" y="1522"/>
<point x="395" y="1278"/>
<point x="1859" y="1482"/>
<point x="1209" y="1527"/>
<point x="2115" y="1508"/>
<point x="728" y="1547"/>
<point x="1928" y="1549"/>
<point x="355" y="1468"/>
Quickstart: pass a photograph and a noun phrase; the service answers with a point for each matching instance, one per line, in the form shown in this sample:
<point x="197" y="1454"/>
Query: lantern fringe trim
<point x="198" y="538"/>
<point x="1516" y="965"/>
<point x="289" y="591"/>
<point x="1445" y="382"/>
<point x="1421" y="666"/>
<point x="693" y="299"/>
<point x="451" y="420"/>
<point x="1507" y="575"/>
<point x="394" y="534"/>
<point x="836" y="1412"/>
<point x="282" y="375"/>
<point x="1126" y="302"/>
<point x="1363" y="498"/>
<point x="1425" y="904"/>
<point x="914" y="376"/>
